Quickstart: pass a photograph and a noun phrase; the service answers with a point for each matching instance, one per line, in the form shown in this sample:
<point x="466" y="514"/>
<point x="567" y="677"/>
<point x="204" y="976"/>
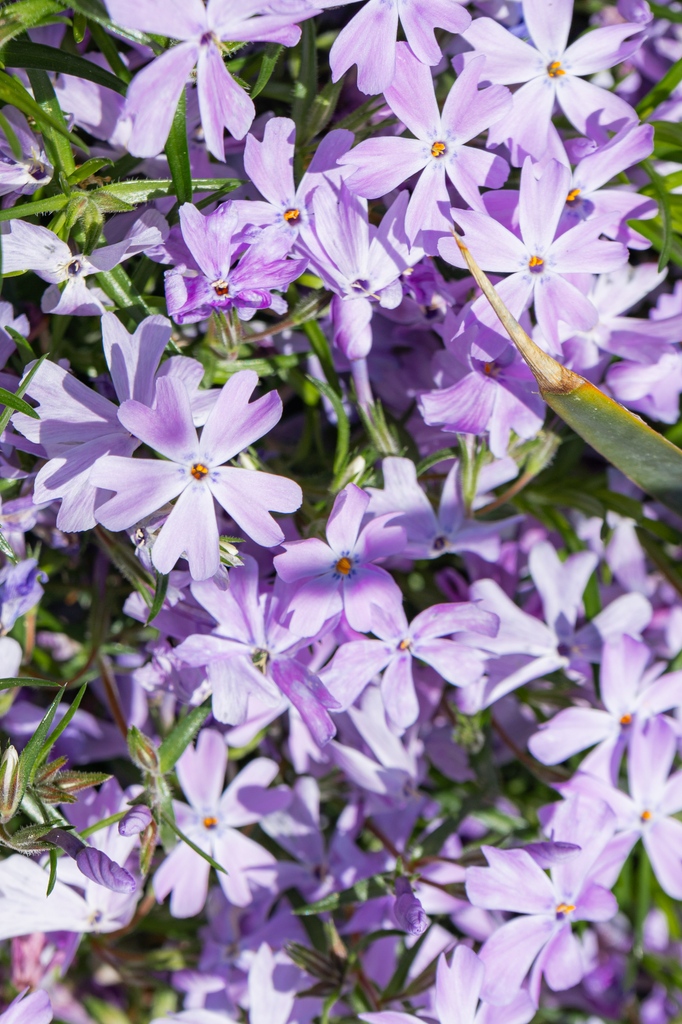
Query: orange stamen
<point x="210" y="822"/>
<point x="199" y="471"/>
<point x="438" y="148"/>
<point x="565" y="908"/>
<point x="291" y="215"/>
<point x="555" y="69"/>
<point x="344" y="566"/>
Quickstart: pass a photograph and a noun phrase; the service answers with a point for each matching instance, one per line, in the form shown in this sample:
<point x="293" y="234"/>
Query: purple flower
<point x="450" y="530"/>
<point x="250" y="654"/>
<point x="212" y="821"/>
<point x="550" y="72"/>
<point x="408" y="911"/>
<point x="538" y="261"/>
<point x="439" y="149"/>
<point x="340" y="575"/>
<point x="20" y="590"/>
<point x="93" y="863"/>
<point x="652" y="389"/>
<point x="193" y="471"/>
<point x="369" y="38"/>
<point x="360" y="263"/>
<point x="399" y="644"/>
<point x="270" y="166"/>
<point x="488" y="396"/>
<point x="542" y="939"/>
<point x="24" y="171"/>
<point x="136" y="820"/>
<point x="28" y="1009"/>
<point x="655" y="798"/>
<point x="458" y="988"/>
<point x="78" y="426"/>
<point x="631" y="691"/>
<point x="153" y="95"/>
<point x="210" y="283"/>
<point x="30" y="247"/>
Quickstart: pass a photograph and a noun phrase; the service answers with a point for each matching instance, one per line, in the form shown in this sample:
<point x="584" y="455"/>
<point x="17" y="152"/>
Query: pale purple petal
<point x="509" y="59"/>
<point x="201" y="770"/>
<point x="548" y="23"/>
<point x="222" y="102"/>
<point x="572" y="730"/>
<point x="249" y="497"/>
<point x="184" y="874"/>
<point x="600" y="49"/>
<point x="209" y="238"/>
<point x="469" y="110"/>
<point x="458" y="986"/>
<point x="153" y="97"/>
<point x="191" y="530"/>
<point x="493" y="246"/>
<point x="187" y="17"/>
<point x="167" y="427"/>
<point x="142" y="487"/>
<point x="509" y="953"/>
<point x="541" y="202"/>
<point x="398" y="692"/>
<point x="380" y="165"/>
<point x="304" y="558"/>
<point x="562" y="960"/>
<point x="412" y="97"/>
<point x="651" y="754"/>
<point x="346" y="516"/>
<point x="663" y="844"/>
<point x="234" y="424"/>
<point x="270" y="163"/>
<point x="513" y="881"/>
<point x="584" y="103"/>
<point x="133" y="359"/>
<point x="368" y="40"/>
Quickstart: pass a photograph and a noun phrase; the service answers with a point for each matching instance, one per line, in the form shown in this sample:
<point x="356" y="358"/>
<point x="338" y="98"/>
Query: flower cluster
<point x="340" y="672"/>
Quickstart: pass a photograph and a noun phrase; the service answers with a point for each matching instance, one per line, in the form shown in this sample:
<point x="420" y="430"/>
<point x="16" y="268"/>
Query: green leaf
<point x="144" y="190"/>
<point x="23" y="347"/>
<point x="6" y="548"/>
<point x="193" y="846"/>
<point x="28" y="759"/>
<point x="365" y="889"/>
<point x="52" y="880"/>
<point x="321" y="110"/>
<point x="665" y="212"/>
<point x="123" y="294"/>
<point x="17" y="17"/>
<point x="433" y="460"/>
<point x="305" y="86"/>
<point x="11" y="682"/>
<point x="342" y="424"/>
<point x="21" y="390"/>
<point x="653" y="230"/>
<point x="19" y="54"/>
<point x="181" y="736"/>
<point x="671" y="79"/>
<point x="9" y="399"/>
<point x="177" y="153"/>
<point x="625" y="440"/>
<point x="95" y="11"/>
<point x="660" y="11"/>
<point x="56" y="136"/>
<point x="320" y="346"/>
<point x="13" y="92"/>
<point x="87" y="169"/>
<point x="269" y="59"/>
<point x="59" y="729"/>
<point x="159" y="597"/>
<point x="34" y="209"/>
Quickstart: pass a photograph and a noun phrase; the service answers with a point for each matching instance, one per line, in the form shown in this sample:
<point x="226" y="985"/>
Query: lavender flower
<point x="408" y="911"/>
<point x="193" y="471"/>
<point x="341" y="573"/>
<point x="20" y="590"/>
<point x="28" y="1009"/>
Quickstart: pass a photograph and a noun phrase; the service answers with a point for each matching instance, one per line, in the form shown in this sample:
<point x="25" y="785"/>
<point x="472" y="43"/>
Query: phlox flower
<point x="431" y="533"/>
<point x="551" y="72"/>
<point x="632" y="692"/>
<point x="538" y="261"/>
<point x="20" y="590"/>
<point x="360" y="263"/>
<point x="269" y="164"/>
<point x="458" y="989"/>
<point x="212" y="821"/>
<point x="651" y="388"/>
<point x="78" y="426"/>
<point x="439" y="150"/>
<point x="153" y="95"/>
<point x="209" y="282"/>
<point x="541" y="938"/>
<point x="28" y="1009"/>
<point x="341" y="574"/>
<point x="24" y="171"/>
<point x="250" y="653"/>
<point x="29" y="247"/>
<point x="193" y="471"/>
<point x="649" y="811"/>
<point x="369" y="38"/>
<point x="428" y="638"/>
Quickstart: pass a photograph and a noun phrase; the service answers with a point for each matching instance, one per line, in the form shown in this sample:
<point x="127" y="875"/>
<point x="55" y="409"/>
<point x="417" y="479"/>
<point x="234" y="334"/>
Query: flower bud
<point x="135" y="821"/>
<point x="99" y="868"/>
<point x="408" y="911"/>
<point x="10" y="786"/>
<point x="142" y="750"/>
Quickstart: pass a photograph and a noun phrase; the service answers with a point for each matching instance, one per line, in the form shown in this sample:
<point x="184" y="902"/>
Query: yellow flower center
<point x="199" y="471"/>
<point x="626" y="719"/>
<point x="344" y="566"/>
<point x="210" y="822"/>
<point x="221" y="287"/>
<point x="554" y="70"/>
<point x="438" y="148"/>
<point x="565" y="908"/>
<point x="646" y="815"/>
<point x="405" y="645"/>
<point x="573" y="195"/>
<point x="292" y="215"/>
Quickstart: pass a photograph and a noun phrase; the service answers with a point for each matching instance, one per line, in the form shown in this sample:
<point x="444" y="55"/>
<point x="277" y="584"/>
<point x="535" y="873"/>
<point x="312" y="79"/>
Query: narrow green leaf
<point x="21" y="390"/>
<point x="193" y="846"/>
<point x="19" y="54"/>
<point x="6" y="548"/>
<point x="12" y="682"/>
<point x="24" y="349"/>
<point x="113" y="819"/>
<point x="9" y="399"/>
<point x="11" y="137"/>
<point x="320" y="346"/>
<point x="28" y="759"/>
<point x="321" y="110"/>
<point x="342" y="424"/>
<point x="625" y="440"/>
<point x="665" y="212"/>
<point x="159" y="597"/>
<point x="61" y="726"/>
<point x="177" y="153"/>
<point x="17" y="17"/>
<point x="107" y="45"/>
<point x="52" y="880"/>
<point x="144" y="190"/>
<point x="87" y="169"/>
<point x="95" y="11"/>
<point x="57" y="140"/>
<point x="182" y="735"/>
<point x="399" y="976"/>
<point x="269" y="59"/>
<point x="661" y="11"/>
<point x="123" y="295"/>
<point x="653" y="230"/>
<point x="13" y="92"/>
<point x="34" y="209"/>
<point x="305" y="86"/>
<point x="433" y="460"/>
<point x="671" y="79"/>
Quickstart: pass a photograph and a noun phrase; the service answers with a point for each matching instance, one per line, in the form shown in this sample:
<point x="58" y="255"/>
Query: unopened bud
<point x="148" y="841"/>
<point x="408" y="911"/>
<point x="135" y="821"/>
<point x="10" y="786"/>
<point x="142" y="750"/>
